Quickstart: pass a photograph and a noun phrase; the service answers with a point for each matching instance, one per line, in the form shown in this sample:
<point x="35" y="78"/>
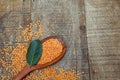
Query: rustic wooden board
<point x="103" y="32"/>
<point x="62" y="18"/>
<point x="90" y="29"/>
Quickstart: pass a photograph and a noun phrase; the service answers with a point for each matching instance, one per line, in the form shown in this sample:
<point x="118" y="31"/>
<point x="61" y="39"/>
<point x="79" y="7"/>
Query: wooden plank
<point x="17" y="14"/>
<point x="103" y="32"/>
<point x="64" y="18"/>
<point x="9" y="20"/>
<point x="12" y="14"/>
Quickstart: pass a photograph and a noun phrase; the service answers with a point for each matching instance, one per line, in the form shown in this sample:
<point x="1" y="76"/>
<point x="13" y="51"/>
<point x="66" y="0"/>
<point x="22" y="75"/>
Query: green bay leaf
<point x="34" y="52"/>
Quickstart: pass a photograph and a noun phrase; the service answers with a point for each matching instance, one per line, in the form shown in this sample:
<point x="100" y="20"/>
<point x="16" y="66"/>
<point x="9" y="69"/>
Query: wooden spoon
<point x="27" y="69"/>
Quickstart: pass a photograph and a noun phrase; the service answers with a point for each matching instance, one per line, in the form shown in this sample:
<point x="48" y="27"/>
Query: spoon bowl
<point x="27" y="69"/>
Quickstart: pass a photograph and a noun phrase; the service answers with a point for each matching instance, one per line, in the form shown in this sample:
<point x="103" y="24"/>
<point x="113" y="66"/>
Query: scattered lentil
<point x="14" y="62"/>
<point x="27" y="33"/>
<point x="50" y="74"/>
<point x="18" y="59"/>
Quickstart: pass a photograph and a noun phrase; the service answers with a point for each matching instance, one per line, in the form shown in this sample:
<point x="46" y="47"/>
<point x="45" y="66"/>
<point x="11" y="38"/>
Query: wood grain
<point x="103" y="32"/>
<point x="90" y="29"/>
<point x="59" y="18"/>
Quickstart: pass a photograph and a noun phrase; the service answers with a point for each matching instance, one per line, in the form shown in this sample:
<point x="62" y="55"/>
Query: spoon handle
<point x="27" y="69"/>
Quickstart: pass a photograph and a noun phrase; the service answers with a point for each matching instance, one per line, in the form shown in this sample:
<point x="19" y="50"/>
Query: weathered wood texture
<point x="103" y="32"/>
<point x="58" y="17"/>
<point x="90" y="29"/>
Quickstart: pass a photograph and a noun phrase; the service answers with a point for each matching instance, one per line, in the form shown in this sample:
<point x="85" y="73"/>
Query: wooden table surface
<point x="90" y="28"/>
